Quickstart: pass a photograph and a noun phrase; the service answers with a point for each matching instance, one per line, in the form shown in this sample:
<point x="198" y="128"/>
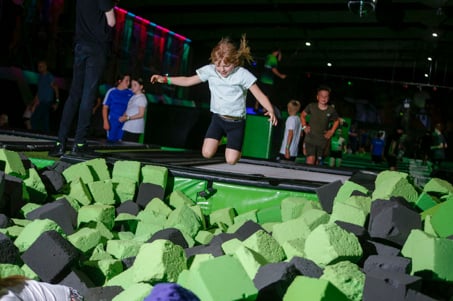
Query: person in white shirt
<point x="18" y="288"/>
<point x="134" y="117"/>
<point x="290" y="144"/>
<point x="228" y="82"/>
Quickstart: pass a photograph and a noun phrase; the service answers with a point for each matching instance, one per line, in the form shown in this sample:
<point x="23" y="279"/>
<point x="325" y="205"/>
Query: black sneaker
<point x="81" y="149"/>
<point x="58" y="150"/>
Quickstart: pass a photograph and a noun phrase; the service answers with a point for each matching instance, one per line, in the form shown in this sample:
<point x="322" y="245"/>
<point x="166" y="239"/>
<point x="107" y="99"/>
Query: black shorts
<point x="232" y="128"/>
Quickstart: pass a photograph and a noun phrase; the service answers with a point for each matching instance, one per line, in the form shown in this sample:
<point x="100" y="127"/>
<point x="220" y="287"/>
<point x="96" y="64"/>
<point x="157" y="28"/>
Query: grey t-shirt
<point x="319" y="123"/>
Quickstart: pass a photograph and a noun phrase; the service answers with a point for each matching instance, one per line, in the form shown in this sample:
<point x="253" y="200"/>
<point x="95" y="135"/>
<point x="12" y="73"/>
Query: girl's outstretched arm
<point x="183" y="81"/>
<point x="265" y="102"/>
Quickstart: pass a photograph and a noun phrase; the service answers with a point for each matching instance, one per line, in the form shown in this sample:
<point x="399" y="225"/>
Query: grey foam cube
<point x="9" y="253"/>
<point x="272" y="280"/>
<point x="60" y="212"/>
<point x="51" y="256"/>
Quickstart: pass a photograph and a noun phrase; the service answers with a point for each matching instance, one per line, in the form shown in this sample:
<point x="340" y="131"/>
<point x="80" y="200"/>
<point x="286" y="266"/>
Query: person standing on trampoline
<point x="228" y="83"/>
<point x="324" y="121"/>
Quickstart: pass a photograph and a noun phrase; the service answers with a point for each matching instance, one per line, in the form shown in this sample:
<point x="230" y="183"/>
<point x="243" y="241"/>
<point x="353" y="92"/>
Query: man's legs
<point x="94" y="68"/>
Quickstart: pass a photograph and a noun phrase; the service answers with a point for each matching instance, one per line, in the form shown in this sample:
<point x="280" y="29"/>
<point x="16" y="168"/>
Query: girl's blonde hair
<point x="227" y="51"/>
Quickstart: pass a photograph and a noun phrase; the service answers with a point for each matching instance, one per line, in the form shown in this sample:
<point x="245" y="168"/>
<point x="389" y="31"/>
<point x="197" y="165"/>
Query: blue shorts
<point x="232" y="127"/>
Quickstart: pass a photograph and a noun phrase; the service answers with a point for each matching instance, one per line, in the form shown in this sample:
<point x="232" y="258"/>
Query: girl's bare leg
<point x="232" y="156"/>
<point x="210" y="146"/>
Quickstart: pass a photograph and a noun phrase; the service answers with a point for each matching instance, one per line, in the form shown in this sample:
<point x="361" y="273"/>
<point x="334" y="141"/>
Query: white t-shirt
<point x="292" y="123"/>
<point x="136" y="126"/>
<point x="228" y="94"/>
<point x="34" y="290"/>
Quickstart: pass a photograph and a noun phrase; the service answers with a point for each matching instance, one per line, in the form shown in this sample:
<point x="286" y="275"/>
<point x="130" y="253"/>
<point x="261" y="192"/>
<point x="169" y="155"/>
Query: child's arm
<point x="183" y="81"/>
<point x="328" y="134"/>
<point x="288" y="144"/>
<point x="264" y="101"/>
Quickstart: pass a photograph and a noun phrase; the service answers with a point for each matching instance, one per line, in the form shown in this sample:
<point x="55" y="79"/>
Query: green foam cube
<point x="205" y="281"/>
<point x="13" y="163"/>
<point x="122" y="249"/>
<point x="36" y="189"/>
<point x="184" y="219"/>
<point x="33" y="230"/>
<point x="155" y="175"/>
<point x="136" y="292"/>
<point x="429" y="254"/>
<point x="347" y="277"/>
<point x="264" y="244"/>
<point x="78" y="171"/>
<point x="102" y="192"/>
<point x="159" y="261"/>
<point x="126" y="169"/>
<point x="329" y="243"/>
<point x="85" y="239"/>
<point x="104" y="214"/>
<point x="312" y="289"/>
<point x="390" y="183"/>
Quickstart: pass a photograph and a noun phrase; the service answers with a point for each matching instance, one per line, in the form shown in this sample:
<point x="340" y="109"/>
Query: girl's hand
<point x="156" y="78"/>
<point x="272" y="118"/>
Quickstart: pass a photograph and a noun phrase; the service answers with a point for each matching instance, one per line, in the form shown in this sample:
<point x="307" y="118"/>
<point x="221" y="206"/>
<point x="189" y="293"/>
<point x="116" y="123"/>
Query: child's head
<point x="226" y="56"/>
<point x="293" y="107"/>
<point x="323" y="94"/>
<point x="137" y="85"/>
<point x="123" y="81"/>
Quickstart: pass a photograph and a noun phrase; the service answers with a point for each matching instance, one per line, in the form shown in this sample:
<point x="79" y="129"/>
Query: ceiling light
<point x="426" y="75"/>
<point x="435" y="35"/>
<point x="429" y="58"/>
<point x="308" y="44"/>
<point x="361" y="7"/>
<point x="329" y="64"/>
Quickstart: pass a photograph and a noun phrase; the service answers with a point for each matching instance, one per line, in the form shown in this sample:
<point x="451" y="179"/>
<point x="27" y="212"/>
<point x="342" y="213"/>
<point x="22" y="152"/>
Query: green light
<point x="349" y="83"/>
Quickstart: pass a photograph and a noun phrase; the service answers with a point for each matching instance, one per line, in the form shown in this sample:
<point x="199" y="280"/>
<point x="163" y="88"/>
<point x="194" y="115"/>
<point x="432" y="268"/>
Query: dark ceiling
<point x="392" y="41"/>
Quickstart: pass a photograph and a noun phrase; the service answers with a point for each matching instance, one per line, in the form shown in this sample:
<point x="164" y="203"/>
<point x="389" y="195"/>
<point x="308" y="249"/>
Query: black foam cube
<point x="172" y="234"/>
<point x="273" y="279"/>
<point x="380" y="285"/>
<point x="393" y="220"/>
<point x="247" y="229"/>
<point x="327" y="193"/>
<point x="12" y="196"/>
<point x="129" y="207"/>
<point x="51" y="256"/>
<point x="60" y="211"/>
<point x="77" y="280"/>
<point x="53" y="180"/>
<point x="106" y="293"/>
<point x="9" y="253"/>
<point x="306" y="267"/>
<point x="392" y="264"/>
<point x="147" y="192"/>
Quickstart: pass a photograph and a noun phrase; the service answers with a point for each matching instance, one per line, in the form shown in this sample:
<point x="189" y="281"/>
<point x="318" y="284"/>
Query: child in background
<point x="114" y="106"/>
<point x="290" y="143"/>
<point x="228" y="83"/>
<point x="377" y="148"/>
<point x="134" y="117"/>
<point x="337" y="148"/>
<point x="319" y="131"/>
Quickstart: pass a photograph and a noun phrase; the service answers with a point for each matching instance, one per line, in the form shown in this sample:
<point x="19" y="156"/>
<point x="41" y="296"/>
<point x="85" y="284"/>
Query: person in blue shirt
<point x="377" y="147"/>
<point x="46" y="99"/>
<point x="114" y="106"/>
<point x="228" y="82"/>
